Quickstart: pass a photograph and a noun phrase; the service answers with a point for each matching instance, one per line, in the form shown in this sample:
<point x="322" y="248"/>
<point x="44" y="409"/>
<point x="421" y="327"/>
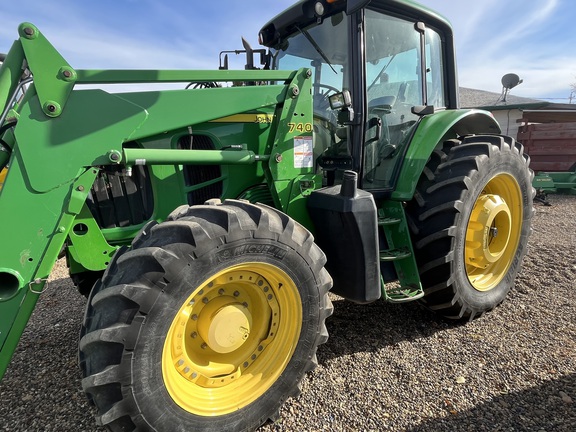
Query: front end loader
<point x="207" y="225"/>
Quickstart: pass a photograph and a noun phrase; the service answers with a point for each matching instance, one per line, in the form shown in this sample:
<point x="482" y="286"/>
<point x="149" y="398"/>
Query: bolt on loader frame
<point x="186" y="216"/>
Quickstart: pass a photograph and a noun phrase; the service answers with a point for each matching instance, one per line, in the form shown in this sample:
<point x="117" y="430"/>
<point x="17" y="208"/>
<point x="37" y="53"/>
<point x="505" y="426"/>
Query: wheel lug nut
<point x="194" y="335"/>
<point x="221" y="291"/>
<point x="204" y="345"/>
<point x="236" y="293"/>
<point x="194" y="317"/>
<point x="205" y="300"/>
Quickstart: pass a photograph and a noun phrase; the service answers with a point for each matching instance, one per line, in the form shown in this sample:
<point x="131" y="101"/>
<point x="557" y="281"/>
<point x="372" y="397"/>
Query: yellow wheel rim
<point x="493" y="232"/>
<point x="232" y="339"/>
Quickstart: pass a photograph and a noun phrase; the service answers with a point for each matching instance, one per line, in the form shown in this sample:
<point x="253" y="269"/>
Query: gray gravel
<point x="385" y="367"/>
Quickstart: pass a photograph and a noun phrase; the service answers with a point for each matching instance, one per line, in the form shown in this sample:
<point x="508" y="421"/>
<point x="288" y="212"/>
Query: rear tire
<point x="208" y="322"/>
<point x="470" y="221"/>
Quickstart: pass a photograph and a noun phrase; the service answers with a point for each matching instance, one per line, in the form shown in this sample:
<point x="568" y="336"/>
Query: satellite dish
<point x="510" y="80"/>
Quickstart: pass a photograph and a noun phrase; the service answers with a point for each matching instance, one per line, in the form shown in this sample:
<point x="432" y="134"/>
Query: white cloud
<point x="160" y="35"/>
<point x="151" y="35"/>
<point x="532" y="38"/>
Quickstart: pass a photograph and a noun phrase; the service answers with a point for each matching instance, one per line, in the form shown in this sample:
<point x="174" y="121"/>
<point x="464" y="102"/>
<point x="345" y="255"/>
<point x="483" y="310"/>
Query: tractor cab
<point x="384" y="70"/>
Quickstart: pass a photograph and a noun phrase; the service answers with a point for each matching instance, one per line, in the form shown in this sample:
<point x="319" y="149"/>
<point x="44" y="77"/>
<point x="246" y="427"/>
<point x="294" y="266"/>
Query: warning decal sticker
<point x="303" y="154"/>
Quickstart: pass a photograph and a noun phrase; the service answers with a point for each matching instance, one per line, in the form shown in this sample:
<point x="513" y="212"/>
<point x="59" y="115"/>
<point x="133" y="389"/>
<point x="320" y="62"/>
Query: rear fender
<point x="432" y="131"/>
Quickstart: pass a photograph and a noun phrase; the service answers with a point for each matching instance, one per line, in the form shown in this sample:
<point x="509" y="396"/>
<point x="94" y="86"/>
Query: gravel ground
<point x="385" y="367"/>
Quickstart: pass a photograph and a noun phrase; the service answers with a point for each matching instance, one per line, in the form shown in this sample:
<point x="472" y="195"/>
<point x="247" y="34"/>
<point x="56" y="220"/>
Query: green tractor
<point x="207" y="225"/>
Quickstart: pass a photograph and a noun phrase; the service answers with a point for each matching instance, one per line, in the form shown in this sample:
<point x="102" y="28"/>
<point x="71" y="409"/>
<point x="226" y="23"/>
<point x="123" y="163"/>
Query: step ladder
<point x="392" y="220"/>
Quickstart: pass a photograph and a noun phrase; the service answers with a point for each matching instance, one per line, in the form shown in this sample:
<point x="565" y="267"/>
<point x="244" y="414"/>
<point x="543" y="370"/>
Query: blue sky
<point x="532" y="38"/>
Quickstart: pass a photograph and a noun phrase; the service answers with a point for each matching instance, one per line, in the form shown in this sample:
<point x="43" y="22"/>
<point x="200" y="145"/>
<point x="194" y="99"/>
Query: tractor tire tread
<point x="117" y="309"/>
<point x="433" y="216"/>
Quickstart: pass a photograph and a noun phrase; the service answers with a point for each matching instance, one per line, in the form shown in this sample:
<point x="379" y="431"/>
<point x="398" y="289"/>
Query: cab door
<point x="403" y="70"/>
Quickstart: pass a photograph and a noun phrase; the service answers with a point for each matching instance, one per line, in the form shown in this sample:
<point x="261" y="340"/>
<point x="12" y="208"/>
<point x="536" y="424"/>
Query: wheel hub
<point x="488" y="231"/>
<point x="231" y="338"/>
<point x="224" y="325"/>
<point x="493" y="232"/>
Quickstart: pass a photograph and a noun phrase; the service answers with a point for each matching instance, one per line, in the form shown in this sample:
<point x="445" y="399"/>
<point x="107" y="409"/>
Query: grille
<point x="117" y="200"/>
<point x="195" y="175"/>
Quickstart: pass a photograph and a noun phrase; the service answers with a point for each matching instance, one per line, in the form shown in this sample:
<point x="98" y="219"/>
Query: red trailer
<point x="552" y="143"/>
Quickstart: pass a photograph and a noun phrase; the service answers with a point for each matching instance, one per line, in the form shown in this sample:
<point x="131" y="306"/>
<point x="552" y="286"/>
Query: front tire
<point x="208" y="322"/>
<point x="470" y="221"/>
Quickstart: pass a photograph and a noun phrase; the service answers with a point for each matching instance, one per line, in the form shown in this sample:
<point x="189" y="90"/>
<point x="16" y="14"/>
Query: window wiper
<point x="381" y="72"/>
<point x="317" y="48"/>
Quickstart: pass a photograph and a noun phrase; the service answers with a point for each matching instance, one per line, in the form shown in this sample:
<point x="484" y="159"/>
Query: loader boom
<point x="63" y="138"/>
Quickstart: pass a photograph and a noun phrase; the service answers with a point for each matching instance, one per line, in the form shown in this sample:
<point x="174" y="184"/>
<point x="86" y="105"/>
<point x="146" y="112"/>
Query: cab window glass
<point x="435" y="70"/>
<point x="394" y="84"/>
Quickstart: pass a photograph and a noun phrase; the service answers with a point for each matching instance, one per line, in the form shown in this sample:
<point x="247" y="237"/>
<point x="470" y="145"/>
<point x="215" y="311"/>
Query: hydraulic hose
<point x="5" y="149"/>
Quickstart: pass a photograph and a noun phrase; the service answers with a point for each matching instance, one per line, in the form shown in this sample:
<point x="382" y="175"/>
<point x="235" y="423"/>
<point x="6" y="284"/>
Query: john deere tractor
<point x="207" y="225"/>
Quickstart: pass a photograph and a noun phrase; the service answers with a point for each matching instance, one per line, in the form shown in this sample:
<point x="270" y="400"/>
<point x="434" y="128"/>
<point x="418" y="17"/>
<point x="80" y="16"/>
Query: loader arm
<point x="58" y="138"/>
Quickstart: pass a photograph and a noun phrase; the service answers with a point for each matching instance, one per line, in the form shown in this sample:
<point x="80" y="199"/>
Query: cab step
<point x="385" y="221"/>
<point x="392" y="220"/>
<point x="394" y="254"/>
<point x="401" y="294"/>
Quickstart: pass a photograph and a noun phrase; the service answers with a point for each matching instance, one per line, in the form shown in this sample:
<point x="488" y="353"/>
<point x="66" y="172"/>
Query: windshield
<point x="323" y="49"/>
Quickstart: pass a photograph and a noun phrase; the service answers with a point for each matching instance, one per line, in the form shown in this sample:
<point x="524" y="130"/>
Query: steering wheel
<point x="327" y="87"/>
<point x="322" y="103"/>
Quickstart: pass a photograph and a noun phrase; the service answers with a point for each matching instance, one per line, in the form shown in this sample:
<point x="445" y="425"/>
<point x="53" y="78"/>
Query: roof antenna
<point x="509" y="81"/>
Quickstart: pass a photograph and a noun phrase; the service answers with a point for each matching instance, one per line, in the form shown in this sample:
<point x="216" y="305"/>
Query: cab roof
<point x="302" y="14"/>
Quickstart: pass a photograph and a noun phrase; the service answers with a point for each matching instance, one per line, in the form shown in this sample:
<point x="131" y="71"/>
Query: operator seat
<point x="378" y="148"/>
